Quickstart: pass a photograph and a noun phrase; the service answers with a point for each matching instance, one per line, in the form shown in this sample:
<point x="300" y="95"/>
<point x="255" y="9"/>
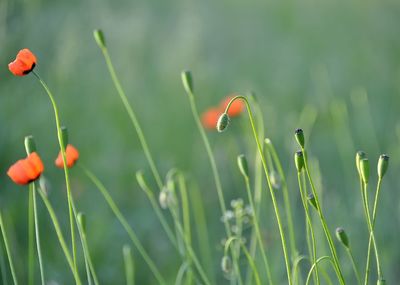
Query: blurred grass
<point x="339" y="58"/>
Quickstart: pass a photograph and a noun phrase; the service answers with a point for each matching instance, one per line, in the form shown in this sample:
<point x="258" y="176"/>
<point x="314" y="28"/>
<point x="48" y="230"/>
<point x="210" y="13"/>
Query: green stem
<point x="85" y="252"/>
<point x="125" y="224"/>
<point x="323" y="222"/>
<point x="3" y="266"/>
<point x="88" y="258"/>
<point x="354" y="266"/>
<point x="10" y="260"/>
<point x="60" y="237"/>
<point x="132" y="116"/>
<point x="66" y="171"/>
<point x="129" y="265"/>
<point x="315" y="265"/>
<point x="38" y="246"/>
<point x="31" y="239"/>
<point x="274" y="202"/>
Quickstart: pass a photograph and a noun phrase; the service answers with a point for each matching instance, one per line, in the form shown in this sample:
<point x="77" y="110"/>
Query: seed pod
<point x="30" y="145"/>
<point x="299" y="160"/>
<point x="383" y="164"/>
<point x="342" y="237"/>
<point x="299" y="135"/>
<point x="364" y="169"/>
<point x="223" y="122"/>
<point x="312" y="201"/>
<point x="226" y="264"/>
<point x="187" y="81"/>
<point x="99" y="37"/>
<point x="359" y="155"/>
<point x="243" y="166"/>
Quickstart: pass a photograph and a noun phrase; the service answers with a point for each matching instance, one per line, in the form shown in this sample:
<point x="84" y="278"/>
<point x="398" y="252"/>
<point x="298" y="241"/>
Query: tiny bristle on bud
<point x="243" y="166"/>
<point x="187" y="81"/>
<point x="364" y="169"/>
<point x="81" y="217"/>
<point x="312" y="201"/>
<point x="342" y="237"/>
<point x="299" y="135"/>
<point x="64" y="135"/>
<point x="299" y="160"/>
<point x="359" y="155"/>
<point x="383" y="164"/>
<point x="30" y="145"/>
<point x="99" y="37"/>
<point x="226" y="264"/>
<point x="223" y="122"/>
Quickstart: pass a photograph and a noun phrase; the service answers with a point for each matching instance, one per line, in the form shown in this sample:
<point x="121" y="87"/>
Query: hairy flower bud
<point x="383" y="164"/>
<point x="299" y="160"/>
<point x="299" y="135"/>
<point x="223" y="122"/>
<point x="359" y="155"/>
<point x="342" y="237"/>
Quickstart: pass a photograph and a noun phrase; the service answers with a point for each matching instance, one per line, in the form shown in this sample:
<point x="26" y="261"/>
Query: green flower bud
<point x="342" y="237"/>
<point x="64" y="135"/>
<point x="223" y="122"/>
<point x="30" y="145"/>
<point x="140" y="180"/>
<point x="81" y="217"/>
<point x="364" y="169"/>
<point x="243" y="166"/>
<point x="299" y="160"/>
<point x="312" y="201"/>
<point x="187" y="81"/>
<point x="359" y="155"/>
<point x="383" y="164"/>
<point x="99" y="37"/>
<point x="226" y="264"/>
<point x="381" y="282"/>
<point x="299" y="135"/>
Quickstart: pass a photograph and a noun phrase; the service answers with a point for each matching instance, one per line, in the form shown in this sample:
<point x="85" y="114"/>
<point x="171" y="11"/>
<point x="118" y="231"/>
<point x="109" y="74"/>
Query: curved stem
<point x="38" y="246"/>
<point x="66" y="171"/>
<point x="274" y="202"/>
<point x="132" y="116"/>
<point x="10" y="260"/>
<point x="316" y="263"/>
<point x="323" y="222"/>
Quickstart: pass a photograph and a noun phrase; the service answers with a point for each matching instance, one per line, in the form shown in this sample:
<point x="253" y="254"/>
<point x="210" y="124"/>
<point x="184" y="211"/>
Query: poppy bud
<point x="381" y="282"/>
<point x="299" y="135"/>
<point x="99" y="37"/>
<point x="312" y="201"/>
<point x="243" y="166"/>
<point x="359" y="155"/>
<point x="64" y="135"/>
<point x="226" y="264"/>
<point x="82" y="221"/>
<point x="187" y="81"/>
<point x="342" y="237"/>
<point x="299" y="160"/>
<point x="30" y="145"/>
<point x="140" y="180"/>
<point x="166" y="198"/>
<point x="383" y="164"/>
<point x="223" y="122"/>
<point x="364" y="169"/>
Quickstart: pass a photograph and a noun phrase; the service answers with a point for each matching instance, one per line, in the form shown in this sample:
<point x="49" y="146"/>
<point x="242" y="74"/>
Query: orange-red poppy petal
<point x="17" y="174"/>
<point x="72" y="155"/>
<point x="24" y="63"/>
<point x="36" y="162"/>
<point x="26" y="170"/>
<point x="210" y="118"/>
<point x="236" y="107"/>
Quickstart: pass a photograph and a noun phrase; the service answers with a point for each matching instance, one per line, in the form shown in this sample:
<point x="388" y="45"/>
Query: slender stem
<point x="315" y="265"/>
<point x="6" y="244"/>
<point x="354" y="266"/>
<point x="129" y="265"/>
<point x="274" y="202"/>
<point x="85" y="255"/>
<point x="181" y="273"/>
<point x="136" y="242"/>
<point x="132" y="116"/>
<point x="252" y="264"/>
<point x="60" y="236"/>
<point x="3" y="266"/>
<point x="66" y="171"/>
<point x="38" y="246"/>
<point x="323" y="222"/>
<point x="310" y="226"/>
<point x="31" y="239"/>
<point x="258" y="232"/>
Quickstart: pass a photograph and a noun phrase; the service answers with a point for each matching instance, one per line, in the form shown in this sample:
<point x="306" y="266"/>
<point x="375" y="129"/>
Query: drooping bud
<point x="383" y="164"/>
<point x="30" y="145"/>
<point x="99" y="37"/>
<point x="223" y="122"/>
<point x="243" y="166"/>
<point x="342" y="237"/>
<point x="364" y="169"/>
<point x="299" y="135"/>
<point x="312" y="201"/>
<point x="64" y="135"/>
<point x="299" y="160"/>
<point x="226" y="264"/>
<point x="187" y="81"/>
<point x="359" y="155"/>
<point x="82" y="221"/>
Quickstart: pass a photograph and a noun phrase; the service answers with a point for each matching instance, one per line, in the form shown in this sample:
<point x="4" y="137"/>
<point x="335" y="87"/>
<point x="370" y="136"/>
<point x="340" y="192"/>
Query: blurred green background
<point x="331" y="67"/>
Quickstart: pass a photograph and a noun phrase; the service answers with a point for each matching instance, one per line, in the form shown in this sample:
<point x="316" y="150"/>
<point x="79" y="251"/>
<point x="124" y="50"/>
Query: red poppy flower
<point x="72" y="155"/>
<point x="26" y="170"/>
<point x="23" y="64"/>
<point x="236" y="108"/>
<point x="210" y="118"/>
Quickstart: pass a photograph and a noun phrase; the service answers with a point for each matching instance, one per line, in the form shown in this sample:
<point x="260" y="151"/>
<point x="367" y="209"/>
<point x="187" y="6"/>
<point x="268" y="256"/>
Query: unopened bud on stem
<point x="243" y="166"/>
<point x="30" y="145"/>
<point x="364" y="169"/>
<point x="64" y="135"/>
<point x="312" y="201"/>
<point x="226" y="264"/>
<point x="99" y="37"/>
<point x="299" y="160"/>
<point x="223" y="122"/>
<point x="383" y="164"/>
<point x="82" y="221"/>
<point x="359" y="155"/>
<point x="342" y="237"/>
<point x="299" y="135"/>
<point x="187" y="81"/>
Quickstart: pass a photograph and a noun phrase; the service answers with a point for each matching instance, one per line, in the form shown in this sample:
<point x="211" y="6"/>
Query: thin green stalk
<point x="323" y="222"/>
<point x="354" y="266"/>
<point x="6" y="245"/>
<point x="36" y="221"/>
<point x="132" y="116"/>
<point x="368" y="263"/>
<point x="258" y="232"/>
<point x="136" y="242"/>
<point x="181" y="273"/>
<point x="60" y="237"/>
<point x="286" y="199"/>
<point x="310" y="226"/>
<point x="3" y="266"/>
<point x="274" y="202"/>
<point x="88" y="258"/>
<point x="315" y="265"/>
<point x="31" y="239"/>
<point x="85" y="255"/>
<point x="129" y="265"/>
<point x="66" y="171"/>
<point x="252" y="264"/>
